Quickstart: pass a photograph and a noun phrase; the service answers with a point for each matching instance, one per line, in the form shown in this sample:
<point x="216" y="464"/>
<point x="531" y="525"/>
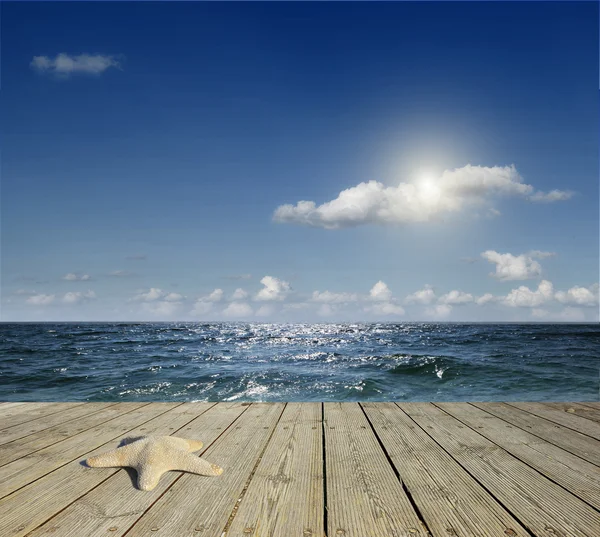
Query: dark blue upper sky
<point x="219" y="113"/>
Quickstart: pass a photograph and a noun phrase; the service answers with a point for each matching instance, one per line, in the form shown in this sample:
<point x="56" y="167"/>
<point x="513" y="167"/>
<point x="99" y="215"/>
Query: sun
<point x="428" y="189"/>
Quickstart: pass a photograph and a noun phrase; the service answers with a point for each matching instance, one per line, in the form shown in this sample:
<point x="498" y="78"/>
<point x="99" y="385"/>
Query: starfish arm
<point x="194" y="445"/>
<point x="187" y="462"/>
<point x="109" y="459"/>
<point x="149" y="476"/>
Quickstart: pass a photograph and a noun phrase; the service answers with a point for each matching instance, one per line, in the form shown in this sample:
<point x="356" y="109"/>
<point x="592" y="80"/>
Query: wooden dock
<point x="308" y="470"/>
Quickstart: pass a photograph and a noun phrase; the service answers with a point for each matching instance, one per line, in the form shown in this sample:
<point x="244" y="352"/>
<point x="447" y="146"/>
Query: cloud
<point x="72" y="277"/>
<point x="274" y="289"/>
<point x="153" y="294"/>
<point x="456" y="297"/>
<point x="380" y="292"/>
<point x="424" y="296"/>
<point x="327" y="297"/>
<point x="238" y="277"/>
<point x="440" y="311"/>
<point x="120" y="273"/>
<point x="161" y="308"/>
<point x="40" y="300"/>
<point x="485" y="299"/>
<point x="513" y="267"/>
<point x="239" y="294"/>
<point x="579" y="296"/>
<point x="215" y="296"/>
<point x="523" y="297"/>
<point x="173" y="297"/>
<point x="77" y="297"/>
<point x="539" y="313"/>
<point x="385" y="308"/>
<point x="24" y="292"/>
<point x="65" y="65"/>
<point x="553" y="195"/>
<point x="571" y="314"/>
<point x="204" y="304"/>
<point x="419" y="201"/>
<point x="238" y="310"/>
<point x="266" y="310"/>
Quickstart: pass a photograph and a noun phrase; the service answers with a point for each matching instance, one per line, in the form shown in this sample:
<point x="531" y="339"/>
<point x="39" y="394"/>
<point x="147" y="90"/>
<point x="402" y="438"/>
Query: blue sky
<point x="156" y="157"/>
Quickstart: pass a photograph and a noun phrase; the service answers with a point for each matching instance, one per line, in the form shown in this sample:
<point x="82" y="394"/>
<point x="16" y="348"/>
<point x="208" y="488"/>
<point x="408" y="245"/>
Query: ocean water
<point x="299" y="362"/>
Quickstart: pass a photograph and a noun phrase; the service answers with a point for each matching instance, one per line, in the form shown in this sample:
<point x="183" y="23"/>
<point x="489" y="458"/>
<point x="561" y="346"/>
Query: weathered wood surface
<point x="570" y="440"/>
<point x="308" y="470"/>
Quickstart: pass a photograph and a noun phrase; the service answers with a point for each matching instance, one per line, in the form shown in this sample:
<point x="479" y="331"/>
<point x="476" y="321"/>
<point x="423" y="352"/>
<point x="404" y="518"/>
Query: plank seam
<point x="523" y="525"/>
<point x="552" y="421"/>
<point x="183" y="473"/>
<point x="247" y="484"/>
<point x="69" y="462"/>
<point x="324" y="453"/>
<point x="56" y="425"/>
<point x="42" y="416"/>
<point x="518" y="458"/>
<point x="397" y="474"/>
<point x="540" y="437"/>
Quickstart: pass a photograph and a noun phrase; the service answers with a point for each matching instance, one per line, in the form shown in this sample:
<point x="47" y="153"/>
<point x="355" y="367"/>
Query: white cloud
<point x="40" y="300"/>
<point x="239" y="294"/>
<point x="201" y="307"/>
<point x="65" y="65"/>
<point x="424" y="296"/>
<point x="440" y="311"/>
<point x="523" y="297"/>
<point x="215" y="296"/>
<point x="580" y="296"/>
<point x="380" y="292"/>
<point x="266" y="310"/>
<point x="484" y="299"/>
<point x="385" y="309"/>
<point x="153" y="294"/>
<point x="173" y="297"/>
<point x="418" y="201"/>
<point x="204" y="304"/>
<point x="572" y="314"/>
<point x="456" y="297"/>
<point x="161" y="308"/>
<point x="513" y="267"/>
<point x="553" y="195"/>
<point x="238" y="310"/>
<point x="327" y="297"/>
<point x="325" y="310"/>
<point x="24" y="292"/>
<point x="539" y="313"/>
<point x="77" y="297"/>
<point x="274" y="289"/>
<point x="72" y="277"/>
<point x="120" y="273"/>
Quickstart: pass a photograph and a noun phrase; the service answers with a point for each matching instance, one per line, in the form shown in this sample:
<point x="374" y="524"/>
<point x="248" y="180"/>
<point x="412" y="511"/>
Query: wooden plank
<point x="578" y="410"/>
<point x="82" y="418"/>
<point x="364" y="496"/>
<point x="577" y="423"/>
<point x="34" y="504"/>
<point x="591" y="404"/>
<point x="194" y="506"/>
<point x="19" y="473"/>
<point x="572" y="441"/>
<point x="285" y="496"/>
<point x="580" y="477"/>
<point x="114" y="506"/>
<point x="449" y="499"/>
<point x="543" y="507"/>
<point x="31" y="411"/>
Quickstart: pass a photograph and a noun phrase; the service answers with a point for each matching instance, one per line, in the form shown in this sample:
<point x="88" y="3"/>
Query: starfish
<point x="152" y="456"/>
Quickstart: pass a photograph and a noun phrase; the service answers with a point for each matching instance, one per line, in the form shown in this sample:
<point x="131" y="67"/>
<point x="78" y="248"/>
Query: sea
<point x="299" y="362"/>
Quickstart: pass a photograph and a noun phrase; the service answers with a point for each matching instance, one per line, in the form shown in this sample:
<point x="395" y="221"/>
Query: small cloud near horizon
<point x="64" y="65"/>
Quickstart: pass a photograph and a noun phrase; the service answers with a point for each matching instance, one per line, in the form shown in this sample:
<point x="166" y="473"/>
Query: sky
<point x="311" y="162"/>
